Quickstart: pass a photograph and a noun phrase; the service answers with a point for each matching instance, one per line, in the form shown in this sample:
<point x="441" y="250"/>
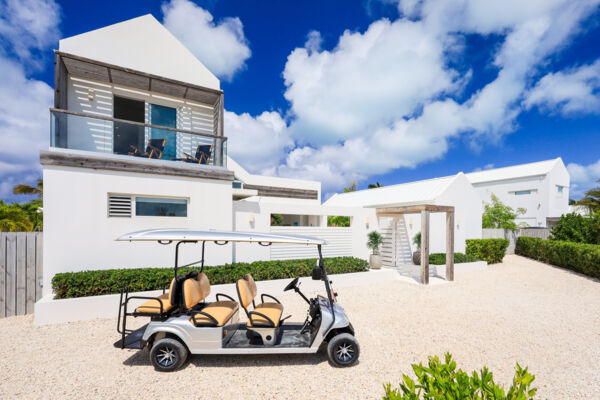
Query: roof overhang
<point x="104" y="72"/>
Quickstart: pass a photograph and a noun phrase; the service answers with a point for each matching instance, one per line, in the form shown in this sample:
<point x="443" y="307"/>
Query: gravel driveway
<point x="520" y="310"/>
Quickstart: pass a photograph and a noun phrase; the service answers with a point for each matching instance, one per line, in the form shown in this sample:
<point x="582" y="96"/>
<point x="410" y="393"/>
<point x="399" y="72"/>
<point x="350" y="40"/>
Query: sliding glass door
<point x="164" y="116"/>
<point x="128" y="138"/>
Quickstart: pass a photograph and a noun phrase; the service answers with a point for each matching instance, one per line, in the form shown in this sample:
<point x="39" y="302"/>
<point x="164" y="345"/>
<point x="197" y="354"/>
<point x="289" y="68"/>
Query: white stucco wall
<point x="79" y="235"/>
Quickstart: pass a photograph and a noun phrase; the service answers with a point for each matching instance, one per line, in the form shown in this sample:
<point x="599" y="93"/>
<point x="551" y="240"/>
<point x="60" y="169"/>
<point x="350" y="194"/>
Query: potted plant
<point x="417" y="254"/>
<point x="375" y="240"/>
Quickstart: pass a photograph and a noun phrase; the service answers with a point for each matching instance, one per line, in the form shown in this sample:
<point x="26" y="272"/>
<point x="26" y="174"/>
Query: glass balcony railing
<point x="79" y="131"/>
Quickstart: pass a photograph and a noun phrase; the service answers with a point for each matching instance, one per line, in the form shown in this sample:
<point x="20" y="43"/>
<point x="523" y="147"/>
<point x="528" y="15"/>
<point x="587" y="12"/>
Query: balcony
<point x="101" y="134"/>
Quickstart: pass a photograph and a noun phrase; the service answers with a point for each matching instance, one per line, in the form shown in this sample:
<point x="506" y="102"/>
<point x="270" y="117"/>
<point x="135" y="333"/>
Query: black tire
<point x="168" y="355"/>
<point x="343" y="350"/>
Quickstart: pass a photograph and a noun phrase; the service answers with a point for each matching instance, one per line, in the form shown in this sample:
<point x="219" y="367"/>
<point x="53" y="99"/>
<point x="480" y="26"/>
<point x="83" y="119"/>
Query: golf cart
<point x="183" y="322"/>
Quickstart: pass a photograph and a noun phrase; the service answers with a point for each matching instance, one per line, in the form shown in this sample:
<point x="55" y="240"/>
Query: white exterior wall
<point x="79" y="235"/>
<point x="467" y="218"/>
<point x="255" y="216"/>
<point x="97" y="135"/>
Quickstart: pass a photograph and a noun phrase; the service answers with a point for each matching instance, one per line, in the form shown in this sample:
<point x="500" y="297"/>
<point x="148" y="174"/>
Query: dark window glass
<point x="159" y="207"/>
<point x="164" y="116"/>
<point x="128" y="137"/>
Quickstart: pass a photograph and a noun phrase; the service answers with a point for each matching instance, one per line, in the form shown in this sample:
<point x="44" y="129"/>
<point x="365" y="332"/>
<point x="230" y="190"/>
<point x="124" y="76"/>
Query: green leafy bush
<point x="490" y="250"/>
<point x="440" y="258"/>
<point x="577" y="228"/>
<point x="99" y="282"/>
<point x="578" y="257"/>
<point x="338" y="220"/>
<point x="443" y="381"/>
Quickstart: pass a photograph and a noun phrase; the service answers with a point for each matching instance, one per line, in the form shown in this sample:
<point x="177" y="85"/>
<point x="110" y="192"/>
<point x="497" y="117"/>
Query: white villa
<point x="137" y="142"/>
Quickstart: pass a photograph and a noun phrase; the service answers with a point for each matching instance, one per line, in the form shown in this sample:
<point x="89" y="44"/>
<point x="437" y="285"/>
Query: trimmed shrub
<point x="440" y="258"/>
<point x="578" y="257"/>
<point x="443" y="381"/>
<point x="577" y="228"/>
<point x="99" y="282"/>
<point x="490" y="250"/>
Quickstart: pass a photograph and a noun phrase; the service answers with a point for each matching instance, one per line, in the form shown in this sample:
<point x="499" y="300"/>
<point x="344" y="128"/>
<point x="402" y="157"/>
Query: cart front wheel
<point x="168" y="355"/>
<point x="343" y="350"/>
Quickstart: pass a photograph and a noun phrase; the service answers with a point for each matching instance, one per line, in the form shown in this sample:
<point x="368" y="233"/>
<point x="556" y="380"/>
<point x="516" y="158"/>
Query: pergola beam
<point x="425" y="247"/>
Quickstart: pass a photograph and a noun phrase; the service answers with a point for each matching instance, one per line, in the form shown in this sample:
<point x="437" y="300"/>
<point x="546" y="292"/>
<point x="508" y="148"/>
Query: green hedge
<point x="440" y="258"/>
<point x="99" y="282"/>
<point x="578" y="257"/>
<point x="490" y="250"/>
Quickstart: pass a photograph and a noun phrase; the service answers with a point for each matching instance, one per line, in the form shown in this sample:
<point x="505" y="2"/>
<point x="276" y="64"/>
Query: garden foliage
<point x="490" y="250"/>
<point x="440" y="258"/>
<point x="577" y="228"/>
<point x="100" y="282"/>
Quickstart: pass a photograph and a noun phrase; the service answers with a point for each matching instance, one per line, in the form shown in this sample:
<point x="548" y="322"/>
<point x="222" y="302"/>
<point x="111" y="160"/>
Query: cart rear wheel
<point x="168" y="355"/>
<point x="343" y="350"/>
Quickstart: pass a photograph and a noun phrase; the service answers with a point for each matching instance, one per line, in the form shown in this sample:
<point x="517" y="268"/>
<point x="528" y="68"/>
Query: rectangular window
<point x="559" y="190"/>
<point x="522" y="192"/>
<point x="160" y="207"/>
<point x="128" y="137"/>
<point x="237" y="184"/>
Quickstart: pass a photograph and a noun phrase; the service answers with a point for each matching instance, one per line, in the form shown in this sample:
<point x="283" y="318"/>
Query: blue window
<point x="522" y="192"/>
<point x="160" y="207"/>
<point x="559" y="189"/>
<point x="164" y="116"/>
<point x="237" y="184"/>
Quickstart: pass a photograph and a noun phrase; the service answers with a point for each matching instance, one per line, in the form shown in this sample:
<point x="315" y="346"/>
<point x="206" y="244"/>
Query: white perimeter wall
<point x="256" y="216"/>
<point x="467" y="218"/>
<point x="544" y="200"/>
<point x="79" y="235"/>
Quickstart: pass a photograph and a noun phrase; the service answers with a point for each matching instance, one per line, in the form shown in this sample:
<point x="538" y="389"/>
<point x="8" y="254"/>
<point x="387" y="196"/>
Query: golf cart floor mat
<point x="289" y="337"/>
<point x="133" y="340"/>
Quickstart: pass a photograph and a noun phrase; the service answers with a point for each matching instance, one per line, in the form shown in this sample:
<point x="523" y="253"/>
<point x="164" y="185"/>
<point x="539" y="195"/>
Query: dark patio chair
<point x="154" y="149"/>
<point x="203" y="155"/>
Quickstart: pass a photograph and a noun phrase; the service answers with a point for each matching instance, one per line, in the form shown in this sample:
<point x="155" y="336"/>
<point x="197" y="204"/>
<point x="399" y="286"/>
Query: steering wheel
<point x="291" y="285"/>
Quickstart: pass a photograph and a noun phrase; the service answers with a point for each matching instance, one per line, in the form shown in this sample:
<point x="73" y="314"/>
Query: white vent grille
<point x="119" y="205"/>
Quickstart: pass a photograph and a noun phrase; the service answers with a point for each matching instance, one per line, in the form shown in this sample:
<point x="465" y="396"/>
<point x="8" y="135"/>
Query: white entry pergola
<point x="425" y="210"/>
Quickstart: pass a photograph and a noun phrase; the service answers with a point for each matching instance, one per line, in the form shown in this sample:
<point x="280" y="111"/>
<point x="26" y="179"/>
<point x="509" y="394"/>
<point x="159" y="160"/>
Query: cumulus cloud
<point x="26" y="29"/>
<point x="387" y="97"/>
<point x="258" y="142"/>
<point x="221" y="46"/>
<point x="583" y="178"/>
<point x="572" y="91"/>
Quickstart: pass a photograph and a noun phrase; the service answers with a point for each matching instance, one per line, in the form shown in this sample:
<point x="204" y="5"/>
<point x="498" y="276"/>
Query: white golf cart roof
<point x="188" y="235"/>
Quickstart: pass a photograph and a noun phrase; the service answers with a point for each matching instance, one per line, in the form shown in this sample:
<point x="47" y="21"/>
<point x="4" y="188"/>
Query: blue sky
<point x="388" y="91"/>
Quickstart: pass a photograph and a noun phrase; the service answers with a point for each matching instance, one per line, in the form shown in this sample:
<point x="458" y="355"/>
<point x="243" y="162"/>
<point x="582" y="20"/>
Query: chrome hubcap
<point x="166" y="356"/>
<point x="345" y="352"/>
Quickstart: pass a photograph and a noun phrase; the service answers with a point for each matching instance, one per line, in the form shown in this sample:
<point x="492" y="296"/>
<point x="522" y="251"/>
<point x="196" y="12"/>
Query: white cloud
<point x="258" y="142"/>
<point x="385" y="98"/>
<point x="221" y="46"/>
<point x="583" y="178"/>
<point x="575" y="90"/>
<point x="26" y="27"/>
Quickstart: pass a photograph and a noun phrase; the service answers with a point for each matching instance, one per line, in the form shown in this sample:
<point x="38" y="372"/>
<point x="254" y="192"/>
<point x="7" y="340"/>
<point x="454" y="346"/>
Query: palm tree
<point x="375" y="185"/>
<point x="14" y="219"/>
<point x="591" y="200"/>
<point x="352" y="187"/>
<point x="23" y="188"/>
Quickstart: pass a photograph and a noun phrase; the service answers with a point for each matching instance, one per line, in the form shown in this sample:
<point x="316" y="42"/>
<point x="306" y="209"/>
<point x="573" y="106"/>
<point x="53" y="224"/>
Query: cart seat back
<point x="247" y="290"/>
<point x="168" y="301"/>
<point x="195" y="290"/>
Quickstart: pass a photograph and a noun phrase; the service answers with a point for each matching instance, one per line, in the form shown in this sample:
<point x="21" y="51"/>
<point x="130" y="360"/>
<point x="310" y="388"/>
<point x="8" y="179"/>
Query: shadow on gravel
<point x="140" y="358"/>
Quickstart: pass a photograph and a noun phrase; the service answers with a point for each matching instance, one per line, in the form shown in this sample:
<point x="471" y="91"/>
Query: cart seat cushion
<point x="222" y="311"/>
<point x="271" y="310"/>
<point x="245" y="293"/>
<point x="195" y="290"/>
<point x="153" y="306"/>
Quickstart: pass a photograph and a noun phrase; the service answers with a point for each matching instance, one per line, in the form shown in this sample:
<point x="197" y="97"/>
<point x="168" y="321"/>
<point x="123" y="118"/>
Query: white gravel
<point x="519" y="311"/>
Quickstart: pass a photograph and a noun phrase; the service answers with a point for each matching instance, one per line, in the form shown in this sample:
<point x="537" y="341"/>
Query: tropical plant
<point x="375" y="185"/>
<point x="276" y="220"/>
<point x="591" y="200"/>
<point x="351" y="188"/>
<point x="490" y="250"/>
<point x="338" y="221"/>
<point x="498" y="215"/>
<point x="23" y="188"/>
<point x="443" y="381"/>
<point x="578" y="228"/>
<point x="374" y="241"/>
<point x="14" y="219"/>
<point x="417" y="240"/>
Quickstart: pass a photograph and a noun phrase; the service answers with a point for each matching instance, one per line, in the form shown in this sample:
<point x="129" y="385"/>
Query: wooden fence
<point x="20" y="272"/>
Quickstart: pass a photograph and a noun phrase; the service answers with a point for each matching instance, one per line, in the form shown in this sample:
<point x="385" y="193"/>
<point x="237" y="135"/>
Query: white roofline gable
<point x="142" y="44"/>
<point x="539" y="168"/>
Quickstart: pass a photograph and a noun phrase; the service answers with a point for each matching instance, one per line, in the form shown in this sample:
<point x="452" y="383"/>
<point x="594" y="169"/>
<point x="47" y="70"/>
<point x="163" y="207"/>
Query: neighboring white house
<point x="542" y="188"/>
<point x="398" y="232"/>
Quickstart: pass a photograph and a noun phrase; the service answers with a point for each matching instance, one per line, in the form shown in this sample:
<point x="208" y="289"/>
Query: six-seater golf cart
<point x="183" y="322"/>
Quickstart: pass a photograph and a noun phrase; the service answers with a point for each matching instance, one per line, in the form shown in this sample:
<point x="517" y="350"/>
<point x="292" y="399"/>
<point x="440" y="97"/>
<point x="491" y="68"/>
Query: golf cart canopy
<point x="187" y="235"/>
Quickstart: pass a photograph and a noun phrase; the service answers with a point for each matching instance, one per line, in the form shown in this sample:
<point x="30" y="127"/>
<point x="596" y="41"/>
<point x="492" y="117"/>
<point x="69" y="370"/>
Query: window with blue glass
<point x="522" y="192"/>
<point x="160" y="207"/>
<point x="164" y="116"/>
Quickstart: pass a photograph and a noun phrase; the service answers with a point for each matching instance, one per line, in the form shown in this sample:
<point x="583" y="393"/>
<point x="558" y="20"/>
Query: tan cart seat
<point x="271" y="310"/>
<point x="153" y="306"/>
<point x="247" y="292"/>
<point x="195" y="291"/>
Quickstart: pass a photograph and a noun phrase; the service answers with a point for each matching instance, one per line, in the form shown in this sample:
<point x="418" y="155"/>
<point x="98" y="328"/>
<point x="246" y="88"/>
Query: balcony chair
<point x="154" y="149"/>
<point x="203" y="155"/>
